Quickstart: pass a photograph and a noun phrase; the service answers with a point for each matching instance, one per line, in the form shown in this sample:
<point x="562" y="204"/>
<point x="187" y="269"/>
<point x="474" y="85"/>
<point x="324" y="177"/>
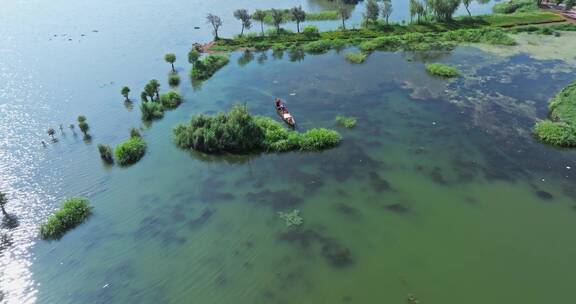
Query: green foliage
<point x="125" y="91"/>
<point x="81" y="118"/>
<point x="240" y="132"/>
<point x="151" y="110"/>
<point x="170" y="100"/>
<point x="84" y="127"/>
<point x="286" y="16"/>
<point x="205" y="68"/>
<point x="356" y="58"/>
<point x="130" y="151"/>
<point x="135" y="133"/>
<point x="173" y="80"/>
<point x="561" y="129"/>
<point x="321" y="46"/>
<point x="193" y="56"/>
<point x="442" y="70"/>
<point x="106" y="153"/>
<point x="513" y="6"/>
<point x="310" y="31"/>
<point x="347" y="122"/>
<point x="72" y="213"/>
<point x="170" y="58"/>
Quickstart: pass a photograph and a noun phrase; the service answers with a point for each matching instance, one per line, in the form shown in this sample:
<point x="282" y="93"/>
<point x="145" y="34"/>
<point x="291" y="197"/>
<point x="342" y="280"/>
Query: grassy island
<point x="130" y="151"/>
<point x="442" y="70"/>
<point x="72" y="213"/>
<point x="205" y="68"/>
<point x="560" y="129"/>
<point x="240" y="132"/>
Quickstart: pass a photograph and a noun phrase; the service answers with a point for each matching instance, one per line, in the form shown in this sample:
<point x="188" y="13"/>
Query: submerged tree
<point x="170" y="58"/>
<point x="3" y="203"/>
<point x="83" y="125"/>
<point x="244" y="17"/>
<point x="51" y="132"/>
<point x="277" y="18"/>
<point x="298" y="16"/>
<point x="193" y="56"/>
<point x="106" y="153"/>
<point x="216" y="23"/>
<point x="387" y="10"/>
<point x="125" y="91"/>
<point x="144" y="96"/>
<point x="372" y="11"/>
<point x="259" y="16"/>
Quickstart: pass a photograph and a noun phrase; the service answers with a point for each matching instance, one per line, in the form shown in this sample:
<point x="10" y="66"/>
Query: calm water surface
<point x="439" y="192"/>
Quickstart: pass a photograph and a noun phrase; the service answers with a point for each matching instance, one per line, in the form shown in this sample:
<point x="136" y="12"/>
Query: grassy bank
<point x="484" y="29"/>
<point x="560" y="129"/>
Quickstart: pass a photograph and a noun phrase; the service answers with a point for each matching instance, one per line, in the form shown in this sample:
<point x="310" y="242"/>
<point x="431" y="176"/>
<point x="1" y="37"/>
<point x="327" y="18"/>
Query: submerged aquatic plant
<point x="347" y="122"/>
<point x="292" y="218"/>
<point x="73" y="212"/>
<point x="442" y="70"/>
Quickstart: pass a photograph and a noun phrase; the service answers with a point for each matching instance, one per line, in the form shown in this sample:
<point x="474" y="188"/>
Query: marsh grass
<point x="442" y="70"/>
<point x="170" y="100"/>
<point x="72" y="213"/>
<point x="347" y="122"/>
<point x="561" y="129"/>
<point x="356" y="58"/>
<point x="151" y="110"/>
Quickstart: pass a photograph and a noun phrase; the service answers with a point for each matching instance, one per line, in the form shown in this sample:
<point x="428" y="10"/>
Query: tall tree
<point x="216" y="23"/>
<point x="259" y="16"/>
<point x="372" y="11"/>
<point x="298" y="15"/>
<point x="170" y="58"/>
<point x="387" y="10"/>
<point x="277" y="18"/>
<point x="83" y="125"/>
<point x="467" y="5"/>
<point x="156" y="87"/>
<point x="244" y="17"/>
<point x="144" y="95"/>
<point x="3" y="203"/>
<point x="150" y="91"/>
<point x="125" y="91"/>
<point x="344" y="13"/>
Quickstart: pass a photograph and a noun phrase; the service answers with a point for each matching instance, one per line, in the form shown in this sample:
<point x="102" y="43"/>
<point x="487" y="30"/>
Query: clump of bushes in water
<point x="174" y="80"/>
<point x="72" y="213"/>
<point x="356" y="57"/>
<point x="131" y="151"/>
<point x="106" y="153"/>
<point x="170" y="100"/>
<point x="240" y="132"/>
<point x="560" y="130"/>
<point x="442" y="70"/>
<point x="151" y="110"/>
<point x="347" y="122"/>
<point x="205" y="68"/>
<point x="322" y="46"/>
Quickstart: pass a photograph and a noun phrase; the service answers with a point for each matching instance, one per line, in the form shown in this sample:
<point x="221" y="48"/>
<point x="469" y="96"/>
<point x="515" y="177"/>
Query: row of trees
<point x="441" y="10"/>
<point x="374" y="9"/>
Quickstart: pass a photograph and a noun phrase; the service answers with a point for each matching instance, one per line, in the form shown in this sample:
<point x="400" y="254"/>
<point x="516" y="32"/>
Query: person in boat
<point x="280" y="105"/>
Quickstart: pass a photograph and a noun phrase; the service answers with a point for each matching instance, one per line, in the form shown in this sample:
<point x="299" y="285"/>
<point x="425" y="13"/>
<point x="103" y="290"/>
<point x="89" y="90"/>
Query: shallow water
<point x="440" y="191"/>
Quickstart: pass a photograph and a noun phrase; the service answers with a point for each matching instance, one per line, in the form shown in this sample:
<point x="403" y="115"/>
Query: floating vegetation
<point x="106" y="153"/>
<point x="346" y="122"/>
<point x="442" y="70"/>
<point x="130" y="151"/>
<point x="239" y="132"/>
<point x="292" y="218"/>
<point x="205" y="68"/>
<point x="73" y="212"/>
<point x="560" y="130"/>
<point x="356" y="57"/>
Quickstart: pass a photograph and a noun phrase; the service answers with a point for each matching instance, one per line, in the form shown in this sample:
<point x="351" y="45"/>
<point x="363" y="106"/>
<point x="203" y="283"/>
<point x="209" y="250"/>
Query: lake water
<point x="439" y="192"/>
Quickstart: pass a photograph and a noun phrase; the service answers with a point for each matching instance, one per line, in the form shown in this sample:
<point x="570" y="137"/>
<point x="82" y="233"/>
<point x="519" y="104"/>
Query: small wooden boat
<point x="284" y="114"/>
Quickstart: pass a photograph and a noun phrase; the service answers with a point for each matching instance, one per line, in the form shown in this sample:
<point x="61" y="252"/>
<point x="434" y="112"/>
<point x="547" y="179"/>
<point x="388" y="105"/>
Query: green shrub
<point x="442" y="70"/>
<point x="170" y="100"/>
<point x="240" y="132"/>
<point x="323" y="16"/>
<point x="151" y="110"/>
<point x="556" y="133"/>
<point x="130" y="151"/>
<point x="310" y="31"/>
<point x="513" y="6"/>
<point x="205" y="68"/>
<point x="173" y="80"/>
<point x="72" y="213"/>
<point x="135" y="133"/>
<point x="347" y="122"/>
<point x="318" y="47"/>
<point x="105" y="153"/>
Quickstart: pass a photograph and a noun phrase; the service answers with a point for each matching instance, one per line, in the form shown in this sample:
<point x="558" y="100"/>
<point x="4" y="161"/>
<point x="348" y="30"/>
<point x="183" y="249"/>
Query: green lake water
<point x="439" y="192"/>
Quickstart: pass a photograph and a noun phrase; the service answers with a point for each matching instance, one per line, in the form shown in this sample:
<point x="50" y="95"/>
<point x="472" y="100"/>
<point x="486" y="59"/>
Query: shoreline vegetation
<point x="239" y="132"/>
<point x="560" y="128"/>
<point x="73" y="212"/>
